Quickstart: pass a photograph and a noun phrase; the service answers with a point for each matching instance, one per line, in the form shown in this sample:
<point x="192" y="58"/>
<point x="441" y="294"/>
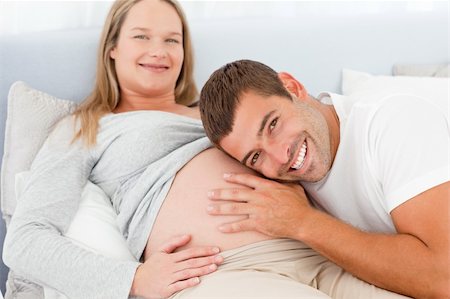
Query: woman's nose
<point x="157" y="50"/>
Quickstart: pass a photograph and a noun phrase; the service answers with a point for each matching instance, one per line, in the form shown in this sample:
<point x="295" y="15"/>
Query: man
<point x="379" y="165"/>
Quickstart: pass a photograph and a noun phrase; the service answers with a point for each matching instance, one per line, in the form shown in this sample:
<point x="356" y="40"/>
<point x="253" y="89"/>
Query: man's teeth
<point x="301" y="157"/>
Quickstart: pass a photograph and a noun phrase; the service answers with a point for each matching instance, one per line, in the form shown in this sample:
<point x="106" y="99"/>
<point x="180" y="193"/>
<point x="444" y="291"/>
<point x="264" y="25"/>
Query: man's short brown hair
<point x="220" y="95"/>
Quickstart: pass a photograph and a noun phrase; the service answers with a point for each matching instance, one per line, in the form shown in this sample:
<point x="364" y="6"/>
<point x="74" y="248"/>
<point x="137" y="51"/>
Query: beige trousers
<point x="281" y="268"/>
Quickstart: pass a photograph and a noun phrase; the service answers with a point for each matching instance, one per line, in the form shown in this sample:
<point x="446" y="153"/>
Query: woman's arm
<point x="34" y="245"/>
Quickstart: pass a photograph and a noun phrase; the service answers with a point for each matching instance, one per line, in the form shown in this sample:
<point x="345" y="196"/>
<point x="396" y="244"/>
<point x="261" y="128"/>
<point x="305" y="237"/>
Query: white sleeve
<point x="34" y="245"/>
<point x="409" y="147"/>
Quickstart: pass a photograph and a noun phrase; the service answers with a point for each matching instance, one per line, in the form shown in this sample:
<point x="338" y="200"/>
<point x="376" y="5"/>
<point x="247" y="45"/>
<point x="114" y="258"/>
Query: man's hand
<point x="166" y="272"/>
<point x="272" y="208"/>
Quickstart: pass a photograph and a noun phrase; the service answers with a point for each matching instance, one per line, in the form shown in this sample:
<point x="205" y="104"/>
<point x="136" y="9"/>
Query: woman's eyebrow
<point x="147" y="30"/>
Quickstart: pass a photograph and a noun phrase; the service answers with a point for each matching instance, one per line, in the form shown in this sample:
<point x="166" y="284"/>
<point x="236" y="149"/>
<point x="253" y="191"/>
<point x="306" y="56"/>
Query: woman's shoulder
<point x="66" y="126"/>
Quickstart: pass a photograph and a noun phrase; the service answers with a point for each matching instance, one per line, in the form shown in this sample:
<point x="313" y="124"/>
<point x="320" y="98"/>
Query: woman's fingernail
<point x="226" y="175"/>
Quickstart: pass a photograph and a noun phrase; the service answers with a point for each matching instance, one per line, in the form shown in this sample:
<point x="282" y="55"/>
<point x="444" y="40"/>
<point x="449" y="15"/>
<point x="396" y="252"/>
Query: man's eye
<point x="141" y="36"/>
<point x="273" y="124"/>
<point x="255" y="158"/>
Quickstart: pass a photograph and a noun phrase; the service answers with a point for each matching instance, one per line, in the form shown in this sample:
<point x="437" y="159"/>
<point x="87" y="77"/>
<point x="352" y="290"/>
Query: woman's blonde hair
<point x="106" y="93"/>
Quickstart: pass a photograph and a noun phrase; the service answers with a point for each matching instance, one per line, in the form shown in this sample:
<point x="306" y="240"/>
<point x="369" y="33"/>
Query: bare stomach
<point x="184" y="209"/>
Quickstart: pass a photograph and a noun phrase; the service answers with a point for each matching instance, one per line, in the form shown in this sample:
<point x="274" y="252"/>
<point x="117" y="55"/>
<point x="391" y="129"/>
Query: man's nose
<point x="279" y="152"/>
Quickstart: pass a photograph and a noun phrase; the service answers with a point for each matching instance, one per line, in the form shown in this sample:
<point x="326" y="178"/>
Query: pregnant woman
<point x="130" y="137"/>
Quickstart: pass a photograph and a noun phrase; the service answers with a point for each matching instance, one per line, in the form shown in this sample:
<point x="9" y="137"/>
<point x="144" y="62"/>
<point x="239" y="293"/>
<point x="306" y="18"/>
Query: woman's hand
<point x="166" y="272"/>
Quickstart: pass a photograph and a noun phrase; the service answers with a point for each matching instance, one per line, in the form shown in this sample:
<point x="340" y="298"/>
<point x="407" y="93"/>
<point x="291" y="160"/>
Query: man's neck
<point x="332" y="119"/>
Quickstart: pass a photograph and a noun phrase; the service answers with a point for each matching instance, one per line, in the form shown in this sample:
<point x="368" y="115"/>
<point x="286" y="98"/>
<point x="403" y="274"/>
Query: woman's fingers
<point x="195" y="252"/>
<point x="174" y="243"/>
<point x="200" y="262"/>
<point x="182" y="284"/>
<point x="194" y="272"/>
<point x="172" y="272"/>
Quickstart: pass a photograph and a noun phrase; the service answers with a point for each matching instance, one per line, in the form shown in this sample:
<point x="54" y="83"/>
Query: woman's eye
<point x="255" y="158"/>
<point x="273" y="124"/>
<point x="141" y="36"/>
<point x="172" y="41"/>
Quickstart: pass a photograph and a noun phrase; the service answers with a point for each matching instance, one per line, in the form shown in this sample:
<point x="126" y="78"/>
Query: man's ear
<point x="292" y="85"/>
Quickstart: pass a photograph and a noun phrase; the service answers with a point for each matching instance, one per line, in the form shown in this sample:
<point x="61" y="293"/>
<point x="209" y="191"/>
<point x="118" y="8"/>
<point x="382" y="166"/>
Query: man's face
<point x="282" y="139"/>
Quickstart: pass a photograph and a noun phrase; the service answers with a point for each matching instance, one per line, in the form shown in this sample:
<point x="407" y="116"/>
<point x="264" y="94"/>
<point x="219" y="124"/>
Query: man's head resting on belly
<point x="268" y="122"/>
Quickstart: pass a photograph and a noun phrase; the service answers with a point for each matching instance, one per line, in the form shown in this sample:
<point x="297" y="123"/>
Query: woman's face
<point x="149" y="52"/>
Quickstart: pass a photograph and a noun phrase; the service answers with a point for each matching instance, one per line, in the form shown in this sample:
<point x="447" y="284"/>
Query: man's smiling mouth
<point x="298" y="163"/>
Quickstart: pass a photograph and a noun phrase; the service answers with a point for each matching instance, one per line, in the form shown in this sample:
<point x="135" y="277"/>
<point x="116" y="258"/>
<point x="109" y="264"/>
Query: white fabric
<point x="391" y="149"/>
<point x="356" y="83"/>
<point x="361" y="84"/>
<point x="94" y="226"/>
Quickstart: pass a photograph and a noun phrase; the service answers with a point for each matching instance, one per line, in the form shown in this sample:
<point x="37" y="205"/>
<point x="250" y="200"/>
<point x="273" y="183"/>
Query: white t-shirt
<point x="391" y="149"/>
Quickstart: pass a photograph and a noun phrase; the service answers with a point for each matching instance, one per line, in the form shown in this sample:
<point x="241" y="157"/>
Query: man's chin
<point x="303" y="179"/>
<point x="291" y="179"/>
<point x="287" y="181"/>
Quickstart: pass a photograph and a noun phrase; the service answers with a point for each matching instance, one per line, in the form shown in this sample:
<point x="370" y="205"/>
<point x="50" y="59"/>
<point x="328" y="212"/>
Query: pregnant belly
<point x="184" y="209"/>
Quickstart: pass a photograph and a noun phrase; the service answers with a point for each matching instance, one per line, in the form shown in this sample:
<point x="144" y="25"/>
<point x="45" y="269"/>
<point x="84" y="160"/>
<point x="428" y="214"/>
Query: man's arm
<point x="414" y="262"/>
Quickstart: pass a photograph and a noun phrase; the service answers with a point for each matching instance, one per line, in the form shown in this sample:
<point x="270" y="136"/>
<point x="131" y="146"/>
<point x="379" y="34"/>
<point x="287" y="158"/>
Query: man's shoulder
<point x="407" y="107"/>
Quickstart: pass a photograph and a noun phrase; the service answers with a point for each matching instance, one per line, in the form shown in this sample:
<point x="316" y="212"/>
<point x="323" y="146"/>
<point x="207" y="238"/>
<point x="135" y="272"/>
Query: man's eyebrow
<point x="260" y="131"/>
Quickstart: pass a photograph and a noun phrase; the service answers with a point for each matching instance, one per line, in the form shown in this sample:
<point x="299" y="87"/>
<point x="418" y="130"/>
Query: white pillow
<point x="31" y="116"/>
<point x="94" y="226"/>
<point x="361" y="84"/>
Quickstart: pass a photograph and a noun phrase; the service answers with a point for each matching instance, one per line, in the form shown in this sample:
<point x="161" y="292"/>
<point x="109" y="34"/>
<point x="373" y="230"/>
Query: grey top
<point x="134" y="161"/>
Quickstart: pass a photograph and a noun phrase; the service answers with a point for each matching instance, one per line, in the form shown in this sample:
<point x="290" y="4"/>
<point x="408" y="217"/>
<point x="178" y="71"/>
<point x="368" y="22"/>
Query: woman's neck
<point x="132" y="102"/>
<point x="167" y="103"/>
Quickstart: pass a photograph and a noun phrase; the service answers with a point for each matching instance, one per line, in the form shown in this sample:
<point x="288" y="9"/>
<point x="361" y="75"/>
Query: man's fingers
<point x="238" y="226"/>
<point x="232" y="194"/>
<point x="249" y="180"/>
<point x="174" y="243"/>
<point x="229" y="209"/>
